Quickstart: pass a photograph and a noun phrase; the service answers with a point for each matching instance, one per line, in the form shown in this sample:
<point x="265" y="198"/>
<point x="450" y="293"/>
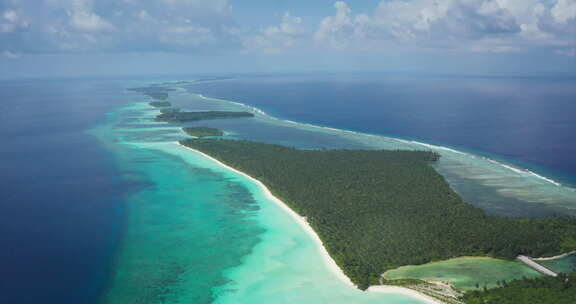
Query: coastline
<point x="328" y="261"/>
<point x="554" y="257"/>
<point x="404" y="291"/>
<point x="435" y="147"/>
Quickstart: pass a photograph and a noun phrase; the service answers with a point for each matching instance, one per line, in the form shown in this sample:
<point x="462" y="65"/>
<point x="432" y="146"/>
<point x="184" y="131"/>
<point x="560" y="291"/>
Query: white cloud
<point x="564" y="10"/>
<point x="118" y="25"/>
<point x="560" y="21"/>
<point x="11" y="21"/>
<point x="289" y="34"/>
<point x="10" y="15"/>
<point x="336" y="31"/>
<point x="82" y="17"/>
<point x="208" y="26"/>
<point x="472" y="25"/>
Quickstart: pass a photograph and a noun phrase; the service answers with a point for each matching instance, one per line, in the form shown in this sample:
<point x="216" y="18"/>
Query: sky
<point x="67" y="38"/>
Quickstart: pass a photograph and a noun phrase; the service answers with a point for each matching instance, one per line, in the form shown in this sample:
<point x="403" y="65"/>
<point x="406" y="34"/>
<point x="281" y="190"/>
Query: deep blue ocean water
<point x="59" y="192"/>
<point x="528" y="121"/>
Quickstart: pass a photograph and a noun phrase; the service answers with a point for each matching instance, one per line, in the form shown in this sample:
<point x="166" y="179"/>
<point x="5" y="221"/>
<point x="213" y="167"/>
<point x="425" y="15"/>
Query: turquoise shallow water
<point x="199" y="233"/>
<point x="565" y="264"/>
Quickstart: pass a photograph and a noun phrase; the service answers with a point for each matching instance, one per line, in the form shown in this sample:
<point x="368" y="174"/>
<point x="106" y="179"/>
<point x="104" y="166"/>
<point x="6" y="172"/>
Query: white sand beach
<point x="404" y="291"/>
<point x="554" y="257"/>
<point x="330" y="263"/>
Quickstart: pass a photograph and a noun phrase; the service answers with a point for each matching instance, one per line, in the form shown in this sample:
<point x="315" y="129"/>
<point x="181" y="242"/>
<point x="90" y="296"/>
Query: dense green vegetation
<point x="169" y="111"/>
<point x="203" y="131"/>
<point x="544" y="290"/>
<point x="175" y="115"/>
<point x="378" y="210"/>
<point x="160" y="104"/>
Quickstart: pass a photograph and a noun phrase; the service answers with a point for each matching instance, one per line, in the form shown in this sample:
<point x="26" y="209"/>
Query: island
<point x="160" y="104"/>
<point x="388" y="218"/>
<point x="177" y="116"/>
<point x="156" y="92"/>
<point x="377" y="210"/>
<point x="200" y="132"/>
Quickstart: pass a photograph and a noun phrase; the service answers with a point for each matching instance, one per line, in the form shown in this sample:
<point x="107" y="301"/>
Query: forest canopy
<point x="202" y="131"/>
<point x="160" y="104"/>
<point x="176" y="115"/>
<point x="544" y="290"/>
<point x="378" y="210"/>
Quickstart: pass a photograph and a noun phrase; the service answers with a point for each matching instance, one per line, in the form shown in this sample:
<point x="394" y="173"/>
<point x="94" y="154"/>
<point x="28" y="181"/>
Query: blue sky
<point x="107" y="37"/>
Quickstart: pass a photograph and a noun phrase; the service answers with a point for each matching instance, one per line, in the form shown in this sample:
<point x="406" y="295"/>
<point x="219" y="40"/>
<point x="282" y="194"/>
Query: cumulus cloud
<point x="337" y="31"/>
<point x="83" y="18"/>
<point x="560" y="20"/>
<point x="289" y="34"/>
<point x="117" y="25"/>
<point x="11" y="21"/>
<point x="208" y="26"/>
<point x="473" y="25"/>
<point x="564" y="11"/>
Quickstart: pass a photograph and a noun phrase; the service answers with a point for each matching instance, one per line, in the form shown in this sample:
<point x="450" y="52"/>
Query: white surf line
<point x="329" y="262"/>
<point x="523" y="171"/>
<point x="405" y="141"/>
<point x="555" y="257"/>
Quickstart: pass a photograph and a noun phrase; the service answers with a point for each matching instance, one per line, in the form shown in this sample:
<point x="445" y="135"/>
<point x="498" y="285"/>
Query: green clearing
<point x="466" y="273"/>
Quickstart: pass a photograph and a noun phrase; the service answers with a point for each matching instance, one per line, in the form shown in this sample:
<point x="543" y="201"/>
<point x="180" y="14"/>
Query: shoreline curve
<point x="507" y="165"/>
<point x="328" y="261"/>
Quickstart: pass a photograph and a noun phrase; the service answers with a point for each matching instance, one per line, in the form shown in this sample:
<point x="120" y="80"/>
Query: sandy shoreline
<point x="554" y="257"/>
<point x="405" y="291"/>
<point x="330" y="263"/>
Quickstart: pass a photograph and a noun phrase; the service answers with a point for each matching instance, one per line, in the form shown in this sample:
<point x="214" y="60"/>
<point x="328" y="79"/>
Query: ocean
<point x="99" y="205"/>
<point x="525" y="121"/>
<point x="60" y="194"/>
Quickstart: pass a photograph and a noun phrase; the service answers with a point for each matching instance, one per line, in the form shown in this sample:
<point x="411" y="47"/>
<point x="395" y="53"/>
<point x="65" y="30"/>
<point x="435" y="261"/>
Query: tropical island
<point x="160" y="104"/>
<point x="200" y="132"/>
<point x="388" y="218"/>
<point x="156" y="92"/>
<point x="379" y="210"/>
<point x="177" y="116"/>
